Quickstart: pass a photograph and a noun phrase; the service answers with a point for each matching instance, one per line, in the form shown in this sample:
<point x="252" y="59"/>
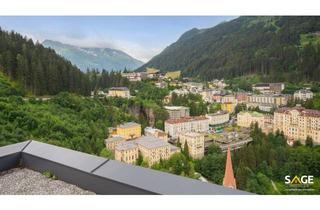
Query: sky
<point x="140" y="36"/>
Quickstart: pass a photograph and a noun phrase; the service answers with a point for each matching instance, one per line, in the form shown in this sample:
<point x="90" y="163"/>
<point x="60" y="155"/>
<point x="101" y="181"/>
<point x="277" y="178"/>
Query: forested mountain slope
<point x="38" y="69"/>
<point x="276" y="48"/>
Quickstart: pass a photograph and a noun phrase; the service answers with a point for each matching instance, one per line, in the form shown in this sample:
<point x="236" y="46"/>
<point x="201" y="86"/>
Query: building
<point x="173" y="75"/>
<point x="228" y="179"/>
<point x="148" y="131"/>
<point x="267" y="88"/>
<point x="297" y="123"/>
<point x="228" y="106"/>
<point x="126" y="152"/>
<point x="194" y="87"/>
<point x="174" y="127"/>
<point x="153" y="149"/>
<point x="195" y="142"/>
<point x="134" y="76"/>
<point x="246" y="118"/>
<point x="268" y="101"/>
<point x="122" y="92"/>
<point x="129" y="130"/>
<point x="113" y="141"/>
<point x="228" y="99"/>
<point x="303" y="94"/>
<point x="152" y="72"/>
<point x="218" y="118"/>
<point x="176" y="112"/>
<point x="242" y="97"/>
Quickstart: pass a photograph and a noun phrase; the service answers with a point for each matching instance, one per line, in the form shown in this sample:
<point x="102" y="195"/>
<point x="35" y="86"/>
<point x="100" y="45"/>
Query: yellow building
<point x="173" y="75"/>
<point x="153" y="149"/>
<point x="113" y="141"/>
<point x="195" y="142"/>
<point x="297" y="123"/>
<point x="126" y="152"/>
<point x="129" y="130"/>
<point x="247" y="118"/>
<point x="122" y="92"/>
<point x="228" y="106"/>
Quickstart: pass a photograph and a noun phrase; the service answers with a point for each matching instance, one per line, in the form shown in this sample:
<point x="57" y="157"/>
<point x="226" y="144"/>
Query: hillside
<point x="276" y="48"/>
<point x="38" y="69"/>
<point x="94" y="58"/>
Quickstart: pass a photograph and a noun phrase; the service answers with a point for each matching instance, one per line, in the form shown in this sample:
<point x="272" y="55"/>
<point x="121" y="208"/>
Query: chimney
<point x="229" y="180"/>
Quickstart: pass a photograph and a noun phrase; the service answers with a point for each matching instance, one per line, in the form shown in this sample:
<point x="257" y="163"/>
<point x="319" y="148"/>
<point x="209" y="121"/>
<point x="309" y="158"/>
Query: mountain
<point x="37" y="69"/>
<point x="97" y="58"/>
<point x="275" y="48"/>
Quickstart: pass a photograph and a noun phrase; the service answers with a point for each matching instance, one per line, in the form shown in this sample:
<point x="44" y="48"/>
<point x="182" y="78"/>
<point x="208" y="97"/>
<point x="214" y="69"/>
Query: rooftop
<point x="252" y="113"/>
<point x="220" y="112"/>
<point x="126" y="145"/>
<point x="150" y="142"/>
<point x="128" y="124"/>
<point x="186" y="119"/>
<point x="192" y="134"/>
<point x="302" y="111"/>
<point x="172" y="108"/>
<point x="119" y="88"/>
<point x="101" y="175"/>
<point x="23" y="181"/>
<point x="115" y="138"/>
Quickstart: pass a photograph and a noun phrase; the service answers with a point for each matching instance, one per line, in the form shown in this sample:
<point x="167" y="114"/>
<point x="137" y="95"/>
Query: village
<point x="228" y="127"/>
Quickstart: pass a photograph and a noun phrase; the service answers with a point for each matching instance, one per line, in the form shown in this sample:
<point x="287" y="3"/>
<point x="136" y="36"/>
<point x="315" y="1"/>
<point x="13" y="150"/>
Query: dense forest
<point x="38" y="69"/>
<point x="275" y="48"/>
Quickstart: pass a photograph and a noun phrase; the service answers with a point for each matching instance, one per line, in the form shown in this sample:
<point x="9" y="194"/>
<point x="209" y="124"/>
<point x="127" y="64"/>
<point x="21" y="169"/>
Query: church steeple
<point x="229" y="180"/>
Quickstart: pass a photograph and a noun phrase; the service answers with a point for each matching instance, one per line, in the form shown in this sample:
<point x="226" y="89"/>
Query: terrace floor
<point x="22" y="181"/>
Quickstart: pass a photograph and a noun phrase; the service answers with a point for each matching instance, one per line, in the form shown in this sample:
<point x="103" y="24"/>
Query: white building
<point x="218" y="118"/>
<point x="174" y="127"/>
<point x="177" y="111"/>
<point x="195" y="142"/>
<point x="303" y="94"/>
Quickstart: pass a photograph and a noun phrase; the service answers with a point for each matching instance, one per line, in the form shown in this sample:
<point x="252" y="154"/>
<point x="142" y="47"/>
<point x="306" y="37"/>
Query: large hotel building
<point x="174" y="127"/>
<point x="297" y="123"/>
<point x="195" y="142"/>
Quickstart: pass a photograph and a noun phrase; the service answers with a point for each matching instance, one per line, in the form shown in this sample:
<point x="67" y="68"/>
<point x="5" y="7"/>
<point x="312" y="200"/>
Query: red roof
<point x="303" y="111"/>
<point x="186" y="119"/>
<point x="229" y="180"/>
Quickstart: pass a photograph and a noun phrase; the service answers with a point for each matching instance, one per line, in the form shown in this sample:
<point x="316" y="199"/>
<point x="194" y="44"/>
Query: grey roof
<point x="126" y="145"/>
<point x="112" y="174"/>
<point x="13" y="148"/>
<point x="128" y="124"/>
<point x="150" y="142"/>
<point x="115" y="138"/>
<point x="159" y="182"/>
<point x="71" y="158"/>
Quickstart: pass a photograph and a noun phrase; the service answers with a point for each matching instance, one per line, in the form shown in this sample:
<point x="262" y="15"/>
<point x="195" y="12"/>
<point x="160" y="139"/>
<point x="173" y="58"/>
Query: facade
<point x="228" y="99"/>
<point x="129" y="130"/>
<point x="195" y="142"/>
<point x="113" y="141"/>
<point x="303" y="94"/>
<point x="218" y="118"/>
<point x="228" y="106"/>
<point x="174" y="127"/>
<point x="148" y="131"/>
<point x="134" y="76"/>
<point x="176" y="112"/>
<point x="194" y="87"/>
<point x="122" y="92"/>
<point x="126" y="152"/>
<point x="246" y="118"/>
<point x="297" y="123"/>
<point x="267" y="88"/>
<point x="242" y="97"/>
<point x="275" y="100"/>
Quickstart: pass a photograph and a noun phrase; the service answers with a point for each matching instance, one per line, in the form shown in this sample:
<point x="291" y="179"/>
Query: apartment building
<point x="176" y="112"/>
<point x="246" y="118"/>
<point x="195" y="142"/>
<point x="303" y="94"/>
<point x="228" y="99"/>
<point x="174" y="127"/>
<point x="267" y="88"/>
<point x="122" y="92"/>
<point x="297" y="123"/>
<point x="113" y="141"/>
<point x="129" y="130"/>
<point x="134" y="76"/>
<point x="218" y="118"/>
<point x="242" y="97"/>
<point x="153" y="149"/>
<point x="127" y="152"/>
<point x="228" y="106"/>
<point x="268" y="100"/>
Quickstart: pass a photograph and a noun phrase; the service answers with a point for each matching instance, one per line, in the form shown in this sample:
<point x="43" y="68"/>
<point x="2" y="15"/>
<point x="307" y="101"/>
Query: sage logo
<point x="305" y="179"/>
